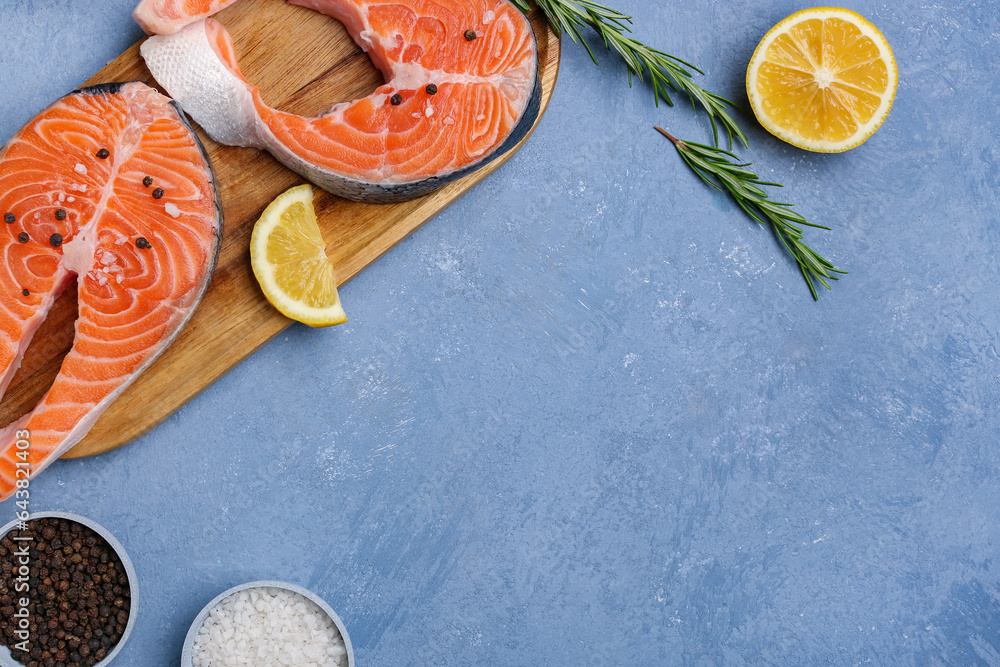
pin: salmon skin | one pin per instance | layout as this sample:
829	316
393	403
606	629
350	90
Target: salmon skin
462	88
110	187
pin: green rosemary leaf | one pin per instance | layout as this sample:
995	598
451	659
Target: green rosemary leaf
713	166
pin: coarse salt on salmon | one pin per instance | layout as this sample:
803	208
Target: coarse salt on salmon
140	271
462	88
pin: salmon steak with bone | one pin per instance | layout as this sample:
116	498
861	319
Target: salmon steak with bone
111	188
462	88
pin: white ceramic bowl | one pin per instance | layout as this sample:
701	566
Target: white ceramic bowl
5	658
187	654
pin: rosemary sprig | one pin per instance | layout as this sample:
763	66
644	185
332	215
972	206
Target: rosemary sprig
720	168
714	167
666	72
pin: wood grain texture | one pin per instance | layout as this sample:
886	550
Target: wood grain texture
304	63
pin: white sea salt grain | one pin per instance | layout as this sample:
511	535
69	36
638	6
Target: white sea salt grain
172	209
268	626
80	169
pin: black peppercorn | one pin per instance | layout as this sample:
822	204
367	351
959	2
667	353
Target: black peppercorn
23	237
147	181
103	154
25	292
396	100
431	89
142	244
157	193
470	35
60	214
9	218
56	240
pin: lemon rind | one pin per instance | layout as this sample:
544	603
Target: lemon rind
866	130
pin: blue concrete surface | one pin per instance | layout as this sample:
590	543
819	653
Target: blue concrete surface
590	414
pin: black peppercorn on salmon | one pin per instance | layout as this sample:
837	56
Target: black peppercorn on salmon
76	206
462	87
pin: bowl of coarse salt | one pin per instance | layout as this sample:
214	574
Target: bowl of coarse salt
267	623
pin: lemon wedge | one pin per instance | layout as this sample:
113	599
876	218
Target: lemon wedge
823	79
289	258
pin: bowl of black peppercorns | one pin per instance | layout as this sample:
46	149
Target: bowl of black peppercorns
67	592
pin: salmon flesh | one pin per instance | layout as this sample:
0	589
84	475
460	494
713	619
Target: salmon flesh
110	187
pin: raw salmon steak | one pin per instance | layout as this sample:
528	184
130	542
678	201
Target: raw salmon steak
109	187
165	17
462	88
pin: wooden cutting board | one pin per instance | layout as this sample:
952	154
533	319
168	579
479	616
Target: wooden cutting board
304	63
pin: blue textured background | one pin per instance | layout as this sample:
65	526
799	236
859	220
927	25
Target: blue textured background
590	414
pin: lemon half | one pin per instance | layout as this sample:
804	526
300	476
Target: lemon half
823	79
289	258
